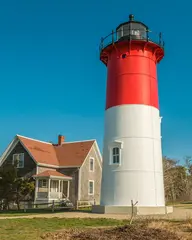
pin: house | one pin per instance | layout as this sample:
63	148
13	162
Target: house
64	170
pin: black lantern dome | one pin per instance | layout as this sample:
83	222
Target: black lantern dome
131	30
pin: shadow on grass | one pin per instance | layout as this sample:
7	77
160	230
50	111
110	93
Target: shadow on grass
82	210
31	211
42	211
186	203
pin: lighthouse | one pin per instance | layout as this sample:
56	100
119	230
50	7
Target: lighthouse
132	175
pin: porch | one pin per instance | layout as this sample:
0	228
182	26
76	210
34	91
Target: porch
51	185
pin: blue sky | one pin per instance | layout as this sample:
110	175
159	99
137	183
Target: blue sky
51	78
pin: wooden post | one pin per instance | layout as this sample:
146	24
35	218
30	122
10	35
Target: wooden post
132	211
53	206
24	208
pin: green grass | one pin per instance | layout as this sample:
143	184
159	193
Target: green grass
38	211
22	213
30	212
32	229
184	205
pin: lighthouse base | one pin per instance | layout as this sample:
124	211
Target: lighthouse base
128	210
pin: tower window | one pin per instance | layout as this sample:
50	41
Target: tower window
115	149
115	155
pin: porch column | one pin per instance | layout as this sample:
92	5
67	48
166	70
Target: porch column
49	187
36	188
62	189
59	189
68	186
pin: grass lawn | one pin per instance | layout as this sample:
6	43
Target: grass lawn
32	229
22	213
31	212
37	211
184	205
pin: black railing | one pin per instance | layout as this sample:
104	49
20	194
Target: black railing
119	35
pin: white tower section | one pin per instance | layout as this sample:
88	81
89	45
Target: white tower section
132	166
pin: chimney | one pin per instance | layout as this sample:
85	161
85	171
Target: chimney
61	139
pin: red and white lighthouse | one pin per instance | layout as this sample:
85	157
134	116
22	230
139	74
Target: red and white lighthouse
132	154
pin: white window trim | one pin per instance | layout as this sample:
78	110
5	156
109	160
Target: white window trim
113	155
41	181
115	144
93	159
23	159
91	194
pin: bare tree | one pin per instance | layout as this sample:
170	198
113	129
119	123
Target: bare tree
175	179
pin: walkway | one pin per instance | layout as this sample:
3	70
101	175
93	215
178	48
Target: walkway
179	213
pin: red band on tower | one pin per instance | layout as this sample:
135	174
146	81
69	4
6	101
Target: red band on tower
132	77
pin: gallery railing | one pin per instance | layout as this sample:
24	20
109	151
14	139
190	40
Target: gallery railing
133	34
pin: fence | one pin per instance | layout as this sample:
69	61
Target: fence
85	204
29	206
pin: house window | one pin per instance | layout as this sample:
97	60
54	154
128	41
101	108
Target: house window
91	188
43	183
115	155
19	158
91	164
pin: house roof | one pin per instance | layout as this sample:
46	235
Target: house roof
68	154
42	152
51	173
73	154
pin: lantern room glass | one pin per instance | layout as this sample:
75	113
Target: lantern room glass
132	30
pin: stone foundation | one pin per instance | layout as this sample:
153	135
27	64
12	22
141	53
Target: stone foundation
128	210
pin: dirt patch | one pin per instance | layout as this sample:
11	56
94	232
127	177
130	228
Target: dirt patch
127	232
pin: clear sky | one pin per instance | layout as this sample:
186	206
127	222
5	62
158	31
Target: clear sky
51	78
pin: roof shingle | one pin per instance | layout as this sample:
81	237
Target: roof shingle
73	154
69	154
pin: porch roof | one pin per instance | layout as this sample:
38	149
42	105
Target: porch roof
52	174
